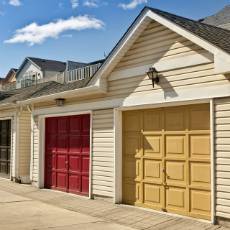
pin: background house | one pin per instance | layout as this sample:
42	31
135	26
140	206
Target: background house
37	70
9	82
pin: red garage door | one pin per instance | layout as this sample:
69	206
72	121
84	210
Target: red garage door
67	154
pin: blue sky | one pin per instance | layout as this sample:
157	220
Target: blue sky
80	30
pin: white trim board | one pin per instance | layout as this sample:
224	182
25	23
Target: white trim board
150	98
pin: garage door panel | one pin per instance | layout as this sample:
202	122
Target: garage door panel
63	126
176	199
174	119
153	195
129	193
153	146
133	121
51	143
74	163
75	125
200	203
74	183
61	162
153	171
199	118
85	144
200	146
85	164
85	184
61	181
200	174
176	173
153	120
75	144
132	145
166	159
175	146
130	170
62	143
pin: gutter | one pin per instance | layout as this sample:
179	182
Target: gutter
65	94
8	105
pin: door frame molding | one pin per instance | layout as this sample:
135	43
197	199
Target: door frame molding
119	145
41	164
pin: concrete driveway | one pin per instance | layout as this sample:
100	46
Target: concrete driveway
24	207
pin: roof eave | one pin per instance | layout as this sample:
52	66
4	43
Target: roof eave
65	94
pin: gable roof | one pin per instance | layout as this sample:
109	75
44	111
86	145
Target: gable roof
210	37
10	75
217	36
220	18
49	65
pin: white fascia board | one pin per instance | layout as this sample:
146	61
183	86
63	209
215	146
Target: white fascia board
8	106
66	94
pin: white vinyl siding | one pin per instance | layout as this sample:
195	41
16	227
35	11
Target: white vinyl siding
24	144
103	153
35	149
222	148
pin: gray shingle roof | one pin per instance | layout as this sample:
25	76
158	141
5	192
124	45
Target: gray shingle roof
49	65
215	35
58	88
24	93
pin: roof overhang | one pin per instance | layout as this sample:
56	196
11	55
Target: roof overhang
90	90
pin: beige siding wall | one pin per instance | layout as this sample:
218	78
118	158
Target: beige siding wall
24	144
222	147
35	149
156	45
103	153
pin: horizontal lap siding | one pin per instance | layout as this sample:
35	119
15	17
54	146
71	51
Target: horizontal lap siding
24	143
222	147
157	44
35	159
103	153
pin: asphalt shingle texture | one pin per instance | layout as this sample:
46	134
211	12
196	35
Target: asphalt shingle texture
215	35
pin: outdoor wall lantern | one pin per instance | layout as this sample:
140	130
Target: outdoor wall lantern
153	75
60	101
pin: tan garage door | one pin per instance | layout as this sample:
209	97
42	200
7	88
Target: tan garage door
166	159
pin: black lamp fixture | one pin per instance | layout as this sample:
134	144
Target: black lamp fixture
153	75
60	101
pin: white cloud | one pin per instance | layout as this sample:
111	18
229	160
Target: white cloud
132	5
37	34
15	2
74	3
91	3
